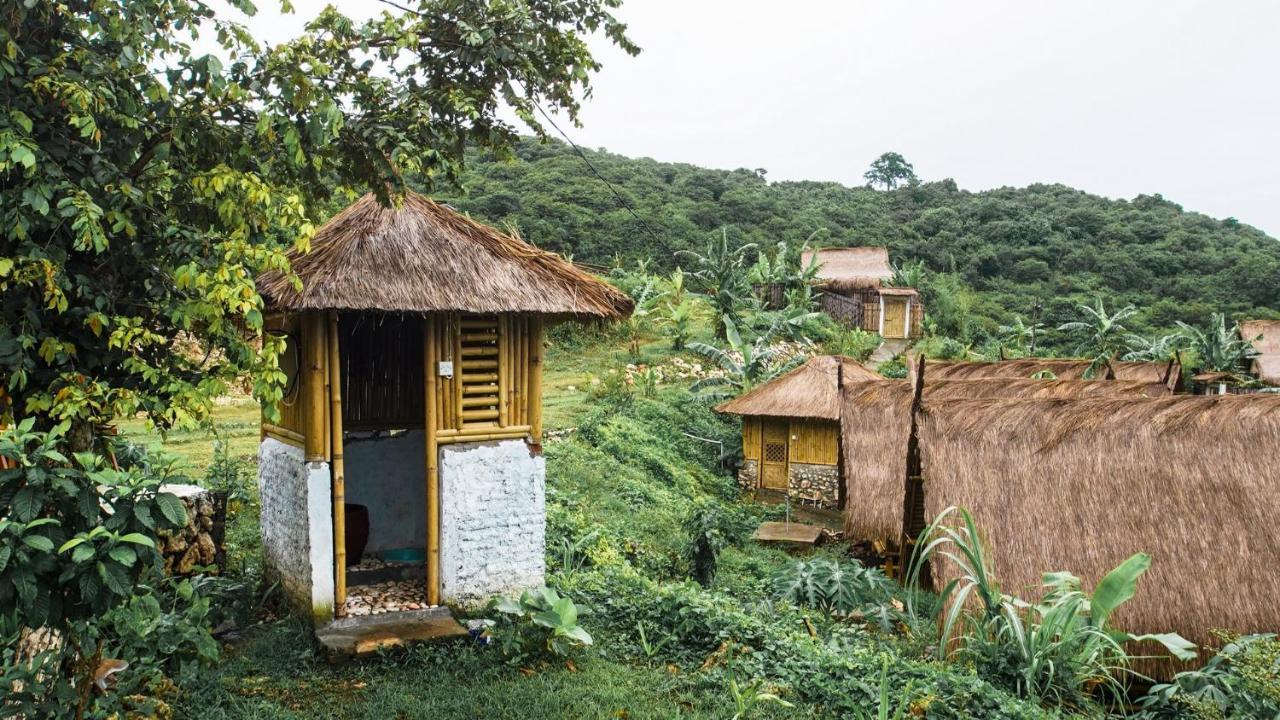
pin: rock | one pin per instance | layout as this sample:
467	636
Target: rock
208	552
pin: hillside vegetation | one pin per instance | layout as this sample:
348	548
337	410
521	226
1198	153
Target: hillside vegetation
1000	251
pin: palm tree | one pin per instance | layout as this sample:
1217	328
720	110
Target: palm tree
1160	349
1103	333
1217	347
745	365
721	276
1023	336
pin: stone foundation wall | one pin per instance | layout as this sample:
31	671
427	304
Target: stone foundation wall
492	520
815	484
200	543
297	527
749	475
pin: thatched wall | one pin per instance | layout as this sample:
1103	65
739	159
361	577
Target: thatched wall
1265	336
1080	485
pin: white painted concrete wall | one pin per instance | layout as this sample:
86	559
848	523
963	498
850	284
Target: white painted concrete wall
492	520
297	527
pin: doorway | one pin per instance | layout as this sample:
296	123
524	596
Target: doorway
773	454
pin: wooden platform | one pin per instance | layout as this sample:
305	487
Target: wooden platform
358	636
781	532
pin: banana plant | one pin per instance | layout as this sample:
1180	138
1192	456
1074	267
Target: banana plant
744	365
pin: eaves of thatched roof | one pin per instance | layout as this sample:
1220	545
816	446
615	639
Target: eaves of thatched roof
849	269
808	392
421	256
1060	368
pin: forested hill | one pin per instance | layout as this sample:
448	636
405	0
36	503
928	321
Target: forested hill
1006	247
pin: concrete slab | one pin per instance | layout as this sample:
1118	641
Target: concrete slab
358	636
781	532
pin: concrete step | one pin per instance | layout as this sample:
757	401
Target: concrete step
365	635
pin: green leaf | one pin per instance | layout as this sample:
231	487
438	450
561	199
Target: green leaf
1118	587
138	539
172	509
26	504
38	542
1178	646
123	554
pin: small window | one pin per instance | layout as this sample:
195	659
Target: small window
775	452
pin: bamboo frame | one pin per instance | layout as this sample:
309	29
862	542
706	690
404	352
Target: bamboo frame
430	381
314	381
504	371
338	470
284	435
535	380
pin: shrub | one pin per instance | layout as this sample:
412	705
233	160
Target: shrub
894	369
833	587
856	343
538	626
938	347
1241	681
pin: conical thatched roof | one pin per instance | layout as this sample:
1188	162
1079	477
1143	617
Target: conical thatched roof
1062	369
810	391
1080	485
426	257
877	424
1267	365
849	269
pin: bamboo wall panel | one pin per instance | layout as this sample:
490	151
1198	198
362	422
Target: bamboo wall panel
815	442
382	371
290	406
751	438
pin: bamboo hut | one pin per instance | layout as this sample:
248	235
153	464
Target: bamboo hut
412	420
1265	336
853	284
1168	373
1081	484
791	431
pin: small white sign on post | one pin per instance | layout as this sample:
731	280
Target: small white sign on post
446	368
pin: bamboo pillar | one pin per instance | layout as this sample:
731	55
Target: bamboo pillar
431	380
504	371
339	475
313	383
535	379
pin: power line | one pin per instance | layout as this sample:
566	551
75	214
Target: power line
587	161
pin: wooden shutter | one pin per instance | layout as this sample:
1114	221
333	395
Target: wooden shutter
478	353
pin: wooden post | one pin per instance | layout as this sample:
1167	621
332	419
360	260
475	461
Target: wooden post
535	379
314	381
339	473
431	381
504	371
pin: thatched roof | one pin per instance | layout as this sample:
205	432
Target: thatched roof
426	257
848	269
1080	485
1062	369
877	424
810	391
1267	365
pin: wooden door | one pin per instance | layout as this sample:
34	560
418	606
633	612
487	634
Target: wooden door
773	455
895	317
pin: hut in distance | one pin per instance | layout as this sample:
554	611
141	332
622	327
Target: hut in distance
412	419
791	431
853	284
1265	337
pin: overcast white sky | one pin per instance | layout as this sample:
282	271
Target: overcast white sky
1177	97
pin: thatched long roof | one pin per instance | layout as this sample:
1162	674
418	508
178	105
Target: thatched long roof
1267	365
848	269
810	391
877	424
1080	485
425	257
1062	369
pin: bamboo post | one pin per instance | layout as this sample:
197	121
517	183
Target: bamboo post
504	372
431	381
338	467
314	381
535	379
456	339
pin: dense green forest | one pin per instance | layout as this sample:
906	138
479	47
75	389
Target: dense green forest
1038	251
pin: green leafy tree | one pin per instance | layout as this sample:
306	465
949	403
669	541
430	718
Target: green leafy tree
720	276
1102	334
889	171
1021	335
146	185
1219	347
743	365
